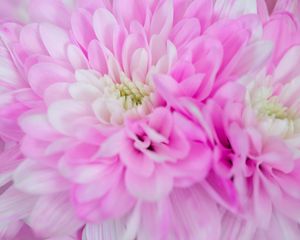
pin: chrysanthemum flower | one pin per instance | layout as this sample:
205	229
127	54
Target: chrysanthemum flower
107	135
256	170
101	118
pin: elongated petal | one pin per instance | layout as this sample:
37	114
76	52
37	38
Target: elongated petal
32	178
53	216
152	188
54	39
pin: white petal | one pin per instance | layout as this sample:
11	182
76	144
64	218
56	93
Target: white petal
33	178
110	230
54	216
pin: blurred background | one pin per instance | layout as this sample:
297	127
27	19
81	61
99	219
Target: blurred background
17	9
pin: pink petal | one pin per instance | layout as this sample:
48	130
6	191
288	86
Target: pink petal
80	173
289	182
35	120
231	90
158	48
104	23
131	44
56	92
277	155
115	204
91	5
222	190
211	50
162	19
15	205
135	160
262	204
12	158
287	68
203	10
151	188
289	206
84	92
177	147
55	40
30	39
81	22
33	148
33	178
239	140
63	113
159	115
109	230
111	146
282	30
186	205
46	217
104	181
139	65
49	11
97	57
167	87
232	37
76	57
191	129
189	86
250	59
184	31
119	36
282	227
130	10
42	75
195	166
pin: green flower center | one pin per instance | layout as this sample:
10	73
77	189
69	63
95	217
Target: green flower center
272	108
133	93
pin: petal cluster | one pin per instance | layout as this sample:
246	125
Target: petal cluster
153	119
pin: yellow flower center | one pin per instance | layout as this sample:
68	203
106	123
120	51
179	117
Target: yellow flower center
132	93
273	108
274	117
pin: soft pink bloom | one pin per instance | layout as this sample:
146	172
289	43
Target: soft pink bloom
101	99
104	103
256	168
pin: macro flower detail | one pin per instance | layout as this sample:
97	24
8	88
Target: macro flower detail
158	156
275	111
95	89
113	100
149	120
259	139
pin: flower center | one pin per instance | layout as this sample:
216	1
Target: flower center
132	94
274	109
274	118
118	99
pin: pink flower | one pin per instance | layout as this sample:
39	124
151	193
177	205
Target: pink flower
159	156
104	103
103	85
256	167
